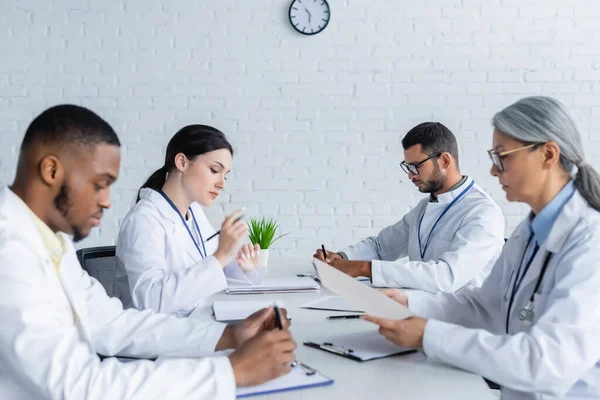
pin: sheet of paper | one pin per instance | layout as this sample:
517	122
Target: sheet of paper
296	379
332	303
359	295
239	310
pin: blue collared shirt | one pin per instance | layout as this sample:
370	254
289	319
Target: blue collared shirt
543	222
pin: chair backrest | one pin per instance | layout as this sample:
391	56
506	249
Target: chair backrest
101	263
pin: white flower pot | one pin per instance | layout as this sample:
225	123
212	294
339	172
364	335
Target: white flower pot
264	258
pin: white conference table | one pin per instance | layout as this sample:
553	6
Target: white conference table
410	376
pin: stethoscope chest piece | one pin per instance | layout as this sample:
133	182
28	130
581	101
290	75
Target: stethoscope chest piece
526	314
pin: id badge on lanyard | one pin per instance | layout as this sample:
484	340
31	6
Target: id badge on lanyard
423	250
203	255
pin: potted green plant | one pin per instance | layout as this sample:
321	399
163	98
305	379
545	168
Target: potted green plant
262	232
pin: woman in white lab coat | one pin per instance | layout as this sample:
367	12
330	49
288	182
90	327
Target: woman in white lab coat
534	326
165	260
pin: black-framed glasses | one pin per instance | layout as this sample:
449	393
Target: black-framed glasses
413	168
498	157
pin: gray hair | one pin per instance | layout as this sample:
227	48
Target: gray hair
541	119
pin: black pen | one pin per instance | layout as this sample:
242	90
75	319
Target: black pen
278	323
313	277
324	253
219	231
344	316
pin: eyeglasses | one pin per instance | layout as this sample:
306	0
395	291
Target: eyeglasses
413	168
498	157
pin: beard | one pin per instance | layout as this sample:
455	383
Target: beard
436	182
63	204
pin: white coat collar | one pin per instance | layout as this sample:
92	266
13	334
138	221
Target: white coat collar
165	209
16	210
568	218
161	204
446	198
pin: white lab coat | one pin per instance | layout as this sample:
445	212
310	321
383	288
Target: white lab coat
158	264
44	354
558	356
463	247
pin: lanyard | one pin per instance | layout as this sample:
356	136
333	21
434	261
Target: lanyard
186	225
422	251
517	282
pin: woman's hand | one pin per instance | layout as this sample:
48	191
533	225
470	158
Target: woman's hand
248	257
233	233
397	295
406	333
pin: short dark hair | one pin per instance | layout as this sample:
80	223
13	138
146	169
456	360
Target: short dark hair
434	137
69	124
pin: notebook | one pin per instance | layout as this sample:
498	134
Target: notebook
226	311
275	285
359	346
330	303
299	378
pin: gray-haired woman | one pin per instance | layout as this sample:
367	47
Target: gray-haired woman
534	326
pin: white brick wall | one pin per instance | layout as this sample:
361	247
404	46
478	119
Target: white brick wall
316	121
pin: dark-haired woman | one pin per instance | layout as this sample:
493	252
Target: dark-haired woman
164	262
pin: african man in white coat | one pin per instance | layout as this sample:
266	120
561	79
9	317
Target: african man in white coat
55	320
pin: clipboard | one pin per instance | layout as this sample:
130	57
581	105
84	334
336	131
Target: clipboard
301	377
360	346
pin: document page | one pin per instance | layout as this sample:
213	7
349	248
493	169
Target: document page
359	295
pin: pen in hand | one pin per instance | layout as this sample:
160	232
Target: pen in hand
278	321
324	253
219	231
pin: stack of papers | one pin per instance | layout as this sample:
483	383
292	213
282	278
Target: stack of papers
275	285
227	311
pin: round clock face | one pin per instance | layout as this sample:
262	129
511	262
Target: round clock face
309	16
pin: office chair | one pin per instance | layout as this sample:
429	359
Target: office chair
101	263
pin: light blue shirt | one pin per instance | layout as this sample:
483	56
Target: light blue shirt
543	222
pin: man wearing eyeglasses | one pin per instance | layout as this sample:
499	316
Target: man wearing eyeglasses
450	239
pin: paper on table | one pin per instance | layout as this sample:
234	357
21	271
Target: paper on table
240	310
331	303
275	285
358	294
296	379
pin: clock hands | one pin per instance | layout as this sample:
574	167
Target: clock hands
309	14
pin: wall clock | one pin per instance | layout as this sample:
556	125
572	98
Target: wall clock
309	17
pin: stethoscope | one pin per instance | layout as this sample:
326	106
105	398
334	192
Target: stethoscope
203	255
422	251
526	313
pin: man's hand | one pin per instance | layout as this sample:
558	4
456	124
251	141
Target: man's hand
330	256
397	295
406	333
235	336
264	357
353	268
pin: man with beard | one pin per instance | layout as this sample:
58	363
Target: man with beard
449	240
59	329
